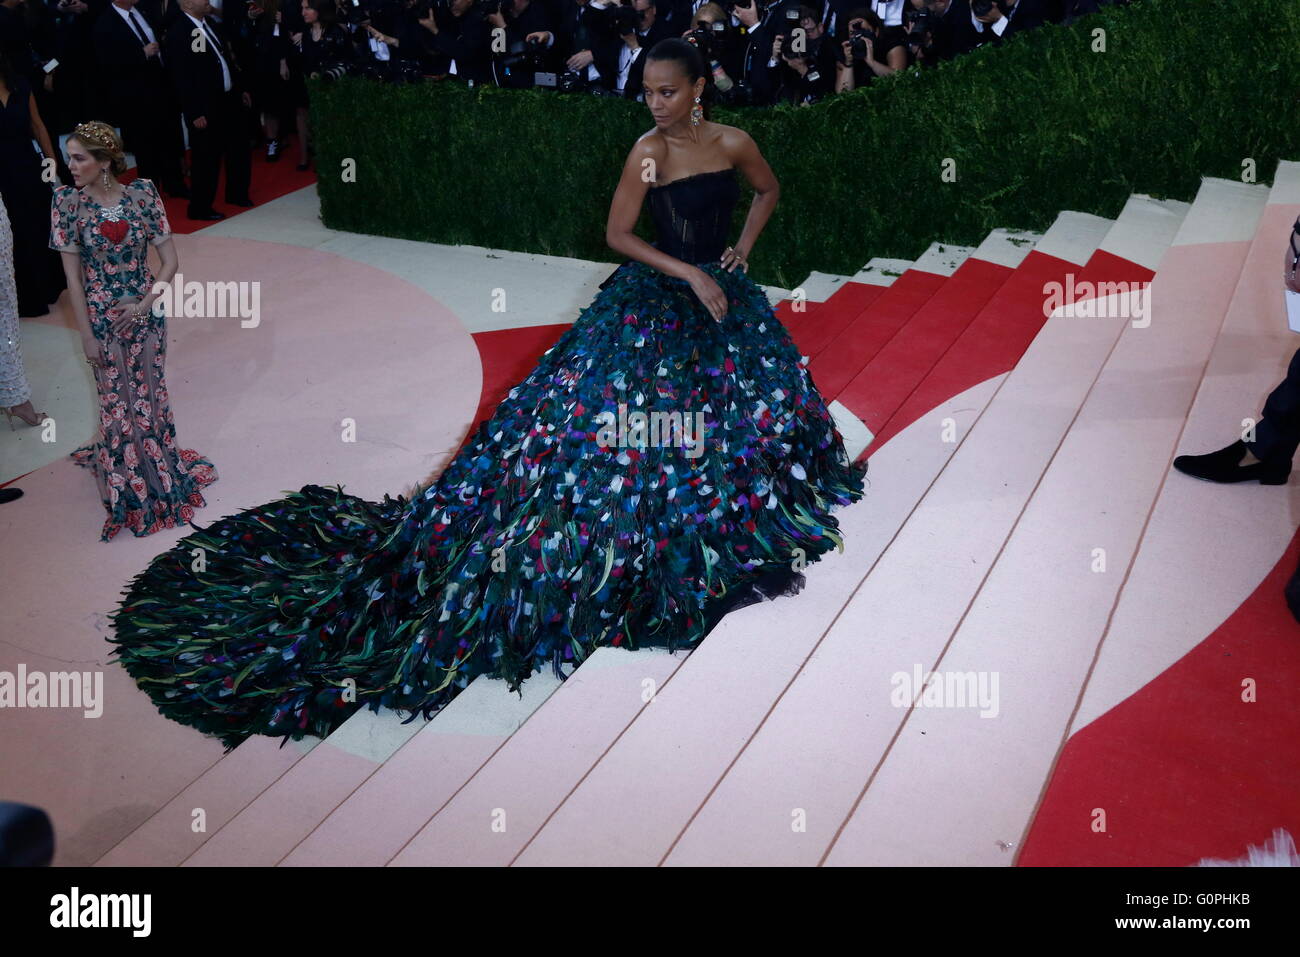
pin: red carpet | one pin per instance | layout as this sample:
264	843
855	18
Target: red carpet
269	181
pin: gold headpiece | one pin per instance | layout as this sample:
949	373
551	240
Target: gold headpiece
96	135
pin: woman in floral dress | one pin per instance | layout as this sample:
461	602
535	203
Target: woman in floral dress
104	229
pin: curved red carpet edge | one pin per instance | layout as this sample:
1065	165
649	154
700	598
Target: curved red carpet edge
1185	769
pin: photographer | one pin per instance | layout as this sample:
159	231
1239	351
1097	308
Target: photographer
890	12
809	60
611	29
460	35
400	26
997	20
649	31
719	45
953	28
527	24
919	29
755	84
573	43
857	61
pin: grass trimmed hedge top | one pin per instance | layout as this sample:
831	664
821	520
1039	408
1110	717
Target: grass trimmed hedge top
1146	98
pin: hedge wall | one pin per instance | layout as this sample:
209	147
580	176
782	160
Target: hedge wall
1184	88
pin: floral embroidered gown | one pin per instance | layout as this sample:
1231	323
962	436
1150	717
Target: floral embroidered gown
146	481
555	529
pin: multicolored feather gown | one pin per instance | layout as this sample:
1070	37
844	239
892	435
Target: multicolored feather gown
567	522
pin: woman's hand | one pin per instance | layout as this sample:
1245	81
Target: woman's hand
122	315
709	292
90	346
734	257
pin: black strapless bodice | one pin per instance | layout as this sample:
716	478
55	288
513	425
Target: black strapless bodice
692	215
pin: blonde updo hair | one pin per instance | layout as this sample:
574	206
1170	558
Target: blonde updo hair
102	142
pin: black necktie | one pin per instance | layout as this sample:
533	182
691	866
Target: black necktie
139	29
134	20
230	63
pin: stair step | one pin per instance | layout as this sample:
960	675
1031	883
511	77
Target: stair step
662	767
839	705
999	334
1146	661
491	818
208	803
821	326
282	814
400	797
876	393
835	366
882	271
943	259
956	788
1007	247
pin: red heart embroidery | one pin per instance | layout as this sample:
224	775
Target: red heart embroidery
113	229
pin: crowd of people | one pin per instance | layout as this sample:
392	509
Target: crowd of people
225	77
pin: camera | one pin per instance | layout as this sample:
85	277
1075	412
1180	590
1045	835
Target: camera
918	23
709	40
573	81
788	22
858	42
523	66
355	13
612	21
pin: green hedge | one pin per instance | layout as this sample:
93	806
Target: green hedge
1186	88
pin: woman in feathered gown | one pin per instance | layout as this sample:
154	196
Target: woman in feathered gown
566	523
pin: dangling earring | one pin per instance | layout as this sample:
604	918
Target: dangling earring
697	113
104	173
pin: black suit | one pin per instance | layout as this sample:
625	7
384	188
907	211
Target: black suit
160	12
1277	433
466	39
138	97
954	33
198	80
636	72
1026	15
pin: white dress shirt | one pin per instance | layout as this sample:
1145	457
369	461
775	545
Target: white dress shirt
215	43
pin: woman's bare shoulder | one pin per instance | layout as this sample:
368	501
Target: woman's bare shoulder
652	145
735	142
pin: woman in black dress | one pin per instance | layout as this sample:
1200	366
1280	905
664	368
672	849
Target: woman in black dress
37	269
322	48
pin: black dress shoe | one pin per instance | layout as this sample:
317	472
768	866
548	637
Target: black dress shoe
9	494
209	214
245	202
1225	466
